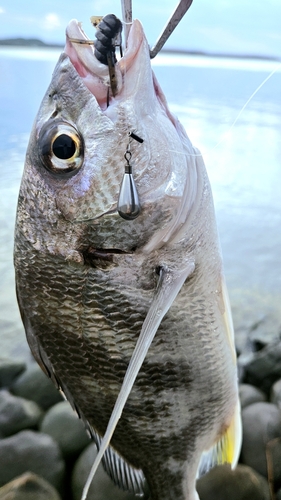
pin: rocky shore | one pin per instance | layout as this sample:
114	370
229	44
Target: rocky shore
46	454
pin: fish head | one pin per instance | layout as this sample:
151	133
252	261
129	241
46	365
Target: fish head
75	158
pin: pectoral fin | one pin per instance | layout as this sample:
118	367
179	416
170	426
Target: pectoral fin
168	287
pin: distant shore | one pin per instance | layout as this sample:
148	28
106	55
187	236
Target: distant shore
36	43
28	42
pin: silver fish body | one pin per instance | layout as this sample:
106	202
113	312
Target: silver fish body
86	278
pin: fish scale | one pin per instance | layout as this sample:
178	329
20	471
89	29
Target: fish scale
56	328
93	287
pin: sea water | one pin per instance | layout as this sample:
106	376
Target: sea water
243	161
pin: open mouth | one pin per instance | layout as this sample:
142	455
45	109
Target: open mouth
96	74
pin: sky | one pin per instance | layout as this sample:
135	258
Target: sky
243	27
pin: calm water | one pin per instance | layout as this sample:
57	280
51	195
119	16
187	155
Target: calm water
243	161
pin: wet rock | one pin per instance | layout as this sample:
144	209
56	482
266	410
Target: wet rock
263	368
275	393
223	483
248	394
264	331
28	487
66	429
261	423
102	488
31	451
258	322
33	384
17	414
9	371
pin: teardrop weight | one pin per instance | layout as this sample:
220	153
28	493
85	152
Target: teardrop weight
128	205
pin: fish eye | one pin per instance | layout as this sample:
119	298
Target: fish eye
64	147
61	148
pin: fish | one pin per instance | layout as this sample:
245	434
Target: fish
127	310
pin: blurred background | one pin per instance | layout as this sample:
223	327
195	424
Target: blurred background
220	54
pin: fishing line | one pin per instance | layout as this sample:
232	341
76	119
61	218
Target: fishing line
125	69
225	134
246	104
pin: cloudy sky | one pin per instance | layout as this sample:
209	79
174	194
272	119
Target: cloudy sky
225	26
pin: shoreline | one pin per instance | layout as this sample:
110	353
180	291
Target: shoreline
39	44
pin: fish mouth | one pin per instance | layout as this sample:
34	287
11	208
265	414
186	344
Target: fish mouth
94	73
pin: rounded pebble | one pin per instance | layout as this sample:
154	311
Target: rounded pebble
33	384
248	394
66	429
102	488
28	487
223	483
264	367
261	423
31	451
17	414
275	393
9	371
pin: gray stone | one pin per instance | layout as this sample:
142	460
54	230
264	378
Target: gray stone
264	331
33	384
243	483
261	423
9	371
102	488
264	367
275	393
31	451
66	429
248	394
17	414
258	321
28	487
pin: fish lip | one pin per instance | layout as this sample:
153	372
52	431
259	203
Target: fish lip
74	31
93	72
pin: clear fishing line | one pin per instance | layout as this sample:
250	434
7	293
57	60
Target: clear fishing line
125	71
225	134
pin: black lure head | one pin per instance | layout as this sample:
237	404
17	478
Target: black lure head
107	31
